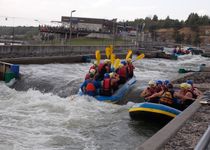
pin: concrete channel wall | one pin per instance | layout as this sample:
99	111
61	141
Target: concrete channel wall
17	51
55	59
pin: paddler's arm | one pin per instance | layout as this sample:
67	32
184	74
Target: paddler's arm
159	94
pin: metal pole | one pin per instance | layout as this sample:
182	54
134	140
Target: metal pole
204	141
71	26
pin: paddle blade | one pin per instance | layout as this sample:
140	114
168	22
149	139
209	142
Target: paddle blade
108	52
112	59
116	64
111	49
140	57
128	54
98	56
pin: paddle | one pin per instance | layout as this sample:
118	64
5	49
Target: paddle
111	49
112	59
116	64
128	54
98	56
108	52
141	56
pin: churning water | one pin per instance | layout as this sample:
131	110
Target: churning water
43	112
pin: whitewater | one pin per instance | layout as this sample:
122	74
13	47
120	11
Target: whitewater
42	111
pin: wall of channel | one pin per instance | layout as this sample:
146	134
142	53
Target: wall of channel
17	51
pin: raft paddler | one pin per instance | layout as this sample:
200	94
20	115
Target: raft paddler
150	90
103	68
185	95
91	71
94	66
130	67
114	80
90	86
195	91
106	86
122	71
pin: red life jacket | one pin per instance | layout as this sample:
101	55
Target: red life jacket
122	72
90	87
100	66
107	84
130	68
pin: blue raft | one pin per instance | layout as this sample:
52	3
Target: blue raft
153	112
118	95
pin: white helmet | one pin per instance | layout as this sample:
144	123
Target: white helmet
151	82
92	71
106	61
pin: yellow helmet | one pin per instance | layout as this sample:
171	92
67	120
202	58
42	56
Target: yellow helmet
185	86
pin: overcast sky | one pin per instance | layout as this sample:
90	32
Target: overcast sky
19	12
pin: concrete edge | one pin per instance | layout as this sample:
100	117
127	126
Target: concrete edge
158	140
54	59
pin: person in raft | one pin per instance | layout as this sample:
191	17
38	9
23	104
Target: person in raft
185	95
90	86
148	91
103	68
130	68
195	91
106	86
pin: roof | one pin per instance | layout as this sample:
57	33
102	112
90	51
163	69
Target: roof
86	20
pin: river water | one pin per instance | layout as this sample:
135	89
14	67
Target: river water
43	112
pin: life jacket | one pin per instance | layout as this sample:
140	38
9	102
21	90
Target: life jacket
100	66
107	84
130	69
90	87
122	71
167	97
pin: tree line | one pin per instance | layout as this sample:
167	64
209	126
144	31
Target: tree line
153	23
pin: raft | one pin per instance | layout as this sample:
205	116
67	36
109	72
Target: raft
118	95
153	112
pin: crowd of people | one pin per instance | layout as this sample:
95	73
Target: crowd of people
163	92
104	79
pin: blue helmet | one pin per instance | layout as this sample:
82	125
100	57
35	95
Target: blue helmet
123	62
106	75
159	82
189	82
166	82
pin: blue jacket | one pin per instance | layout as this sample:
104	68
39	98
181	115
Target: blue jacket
90	93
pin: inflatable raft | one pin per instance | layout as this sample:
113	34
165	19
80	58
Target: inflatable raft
118	95
153	112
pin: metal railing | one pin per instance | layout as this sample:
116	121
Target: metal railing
204	142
